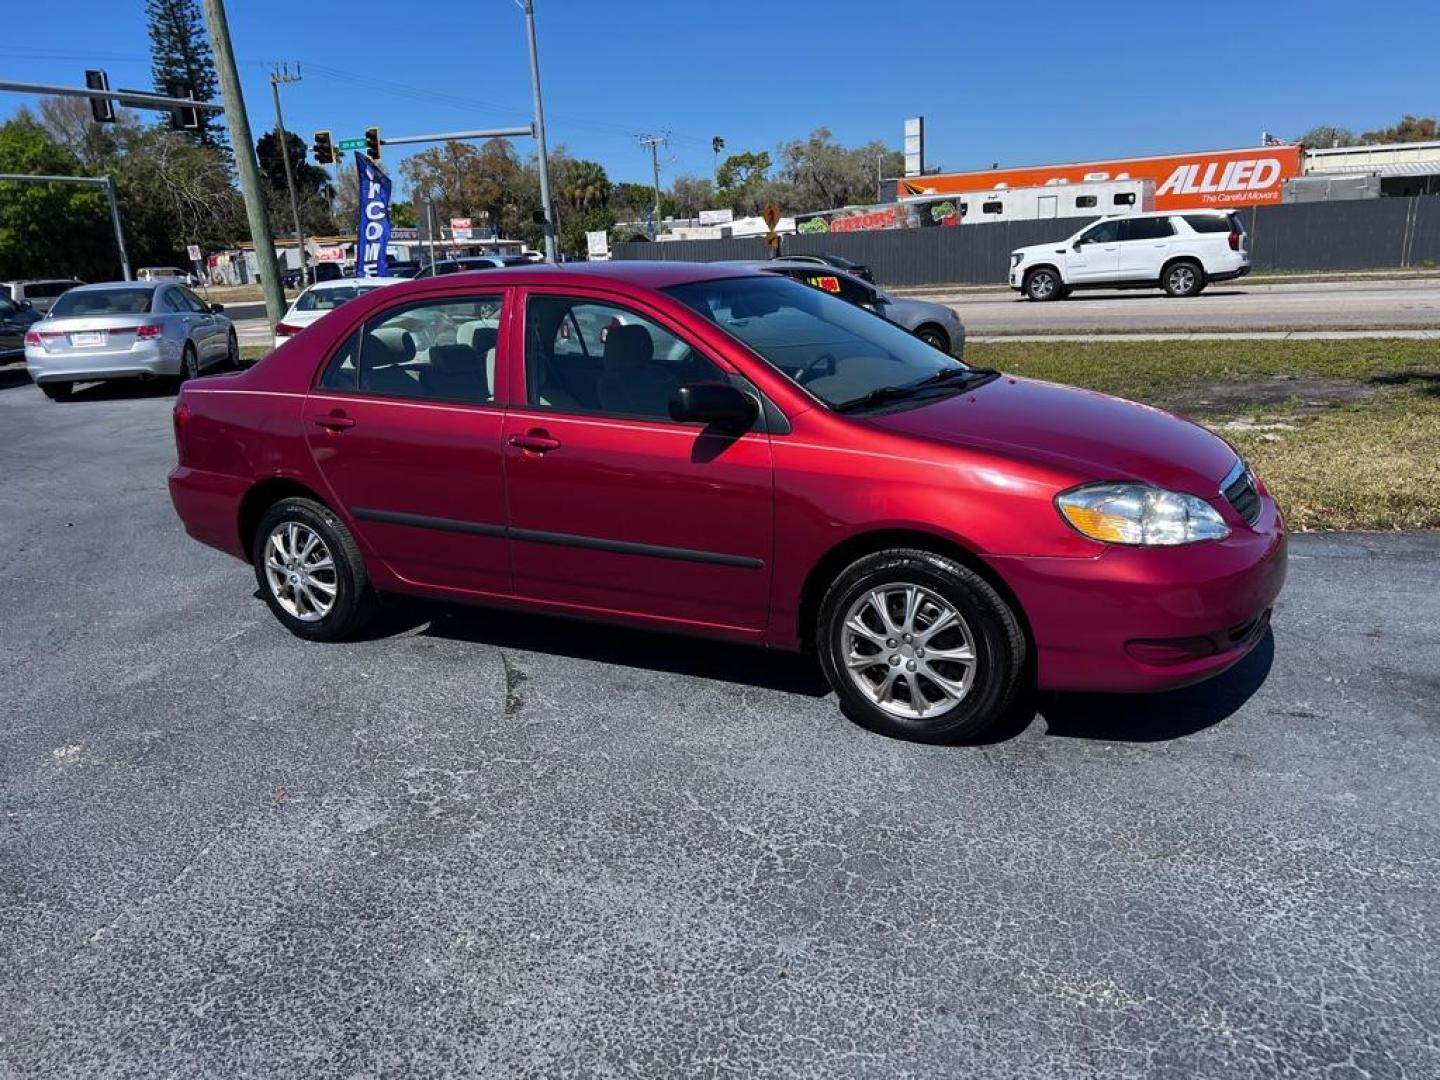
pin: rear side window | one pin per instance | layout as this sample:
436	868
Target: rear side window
433	350
1146	228
995	206
46	289
1085	202
1208	223
343	371
1125	198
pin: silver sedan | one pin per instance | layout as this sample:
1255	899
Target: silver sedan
126	330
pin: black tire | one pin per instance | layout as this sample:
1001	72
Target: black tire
354	603
1043	283
936	339
995	638
57	391
232	353
1183	278
189	363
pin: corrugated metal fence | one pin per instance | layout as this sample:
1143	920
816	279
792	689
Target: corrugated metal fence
1368	234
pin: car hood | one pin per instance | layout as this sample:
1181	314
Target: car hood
908	312
1095	436
1057	247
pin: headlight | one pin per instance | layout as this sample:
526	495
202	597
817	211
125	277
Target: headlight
1140	514
1015	257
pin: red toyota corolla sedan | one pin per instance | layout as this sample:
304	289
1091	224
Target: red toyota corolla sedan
734	455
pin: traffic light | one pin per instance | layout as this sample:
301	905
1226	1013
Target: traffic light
102	109
372	143
186	117
324	148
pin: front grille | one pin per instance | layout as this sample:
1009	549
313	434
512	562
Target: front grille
1239	491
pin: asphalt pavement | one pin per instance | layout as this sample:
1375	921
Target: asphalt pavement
1232	306
476	844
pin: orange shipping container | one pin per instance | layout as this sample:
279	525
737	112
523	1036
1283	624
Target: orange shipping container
1213	178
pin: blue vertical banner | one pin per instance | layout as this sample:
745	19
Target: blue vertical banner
373	232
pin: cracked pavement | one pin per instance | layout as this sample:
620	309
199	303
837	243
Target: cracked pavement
478	844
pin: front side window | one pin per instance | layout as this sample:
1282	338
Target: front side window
584	355
835	350
1085	202
427	350
1107	232
1125	198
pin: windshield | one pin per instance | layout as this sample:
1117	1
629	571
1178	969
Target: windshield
835	350
329	299
102	302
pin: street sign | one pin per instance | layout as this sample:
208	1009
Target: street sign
352	144
193	251
771	214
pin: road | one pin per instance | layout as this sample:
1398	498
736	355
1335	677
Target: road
1231	306
483	845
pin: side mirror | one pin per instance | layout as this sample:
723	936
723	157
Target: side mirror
216	309
26	305
713	404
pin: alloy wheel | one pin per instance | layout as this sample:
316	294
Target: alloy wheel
908	650
1182	280
1042	285
300	571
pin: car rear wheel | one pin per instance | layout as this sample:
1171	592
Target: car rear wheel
57	391
189	363
1043	284
310	571
918	646
232	353
936	339
1184	278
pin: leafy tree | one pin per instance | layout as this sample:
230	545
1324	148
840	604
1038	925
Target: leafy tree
825	175
180	49
1326	136
49	229
312	186
740	173
689	195
71	124
1409	129
586	186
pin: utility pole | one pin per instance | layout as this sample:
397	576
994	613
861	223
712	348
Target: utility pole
276	78
249	170
654	142
547	206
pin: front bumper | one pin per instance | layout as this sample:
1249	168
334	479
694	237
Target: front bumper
156	359
1146	619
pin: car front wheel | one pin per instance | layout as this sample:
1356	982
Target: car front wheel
936	339
1043	284
919	646
310	571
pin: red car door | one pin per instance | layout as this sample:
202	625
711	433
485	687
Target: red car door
614	507
406	427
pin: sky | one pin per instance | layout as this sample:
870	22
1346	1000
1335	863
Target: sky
1015	84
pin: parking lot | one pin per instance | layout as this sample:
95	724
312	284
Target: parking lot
486	844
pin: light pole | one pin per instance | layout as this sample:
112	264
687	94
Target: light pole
239	123
546	204
276	78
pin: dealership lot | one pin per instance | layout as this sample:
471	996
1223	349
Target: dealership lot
482	844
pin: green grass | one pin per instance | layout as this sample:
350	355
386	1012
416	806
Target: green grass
1345	433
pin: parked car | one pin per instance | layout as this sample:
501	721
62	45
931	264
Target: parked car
1178	251
934	324
15	319
40	293
402	268
472	262
854	269
733	455
127	329
322	298
165	273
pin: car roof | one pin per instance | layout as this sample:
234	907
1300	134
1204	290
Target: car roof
38	281
97	285
1170	213
648	274
351	282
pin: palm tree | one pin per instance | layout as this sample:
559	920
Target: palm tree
587	186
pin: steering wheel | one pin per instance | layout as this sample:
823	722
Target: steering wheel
803	376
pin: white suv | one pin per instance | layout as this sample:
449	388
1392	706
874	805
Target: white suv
1178	251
